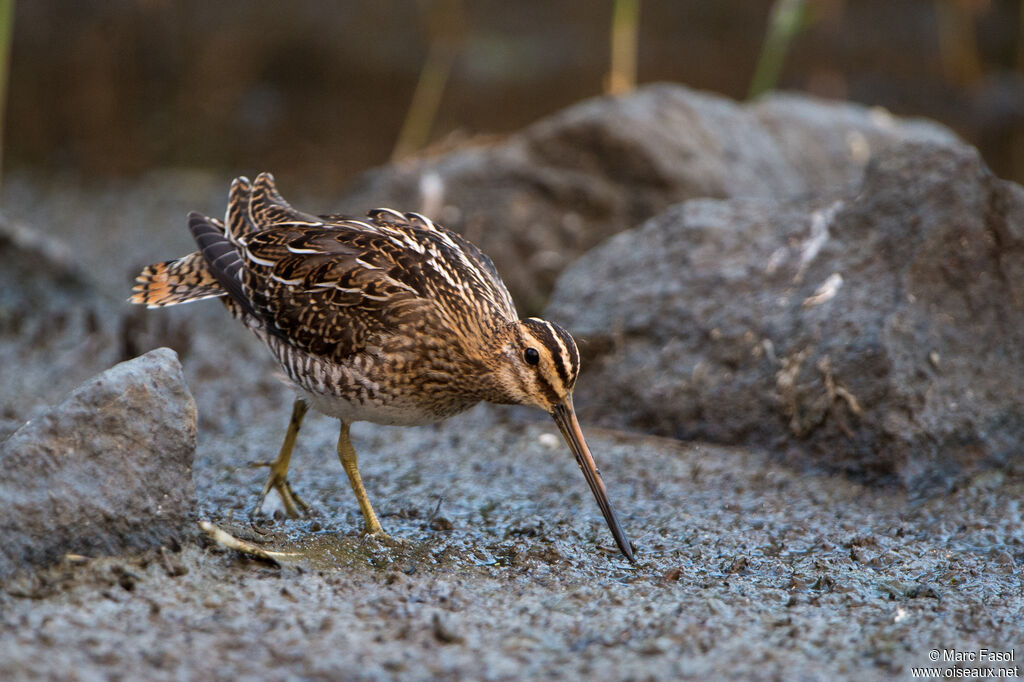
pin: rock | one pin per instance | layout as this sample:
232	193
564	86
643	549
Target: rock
108	469
879	334
54	325
64	315
538	199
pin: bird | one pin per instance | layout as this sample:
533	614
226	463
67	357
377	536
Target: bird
390	318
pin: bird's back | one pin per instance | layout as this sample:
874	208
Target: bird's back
392	286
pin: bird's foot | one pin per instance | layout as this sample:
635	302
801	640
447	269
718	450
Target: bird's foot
372	530
382	539
376	533
278	482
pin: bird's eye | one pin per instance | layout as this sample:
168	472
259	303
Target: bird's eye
531	356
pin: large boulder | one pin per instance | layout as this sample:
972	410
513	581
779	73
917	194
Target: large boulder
108	469
880	334
539	198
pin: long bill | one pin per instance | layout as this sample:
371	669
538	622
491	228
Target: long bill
565	416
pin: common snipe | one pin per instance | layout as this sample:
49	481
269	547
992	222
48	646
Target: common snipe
391	319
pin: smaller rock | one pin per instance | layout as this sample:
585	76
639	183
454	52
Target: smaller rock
109	469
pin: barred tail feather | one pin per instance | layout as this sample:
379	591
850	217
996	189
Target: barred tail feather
176	281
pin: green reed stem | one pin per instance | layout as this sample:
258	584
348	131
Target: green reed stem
785	21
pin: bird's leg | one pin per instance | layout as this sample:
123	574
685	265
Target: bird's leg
278	479
347	455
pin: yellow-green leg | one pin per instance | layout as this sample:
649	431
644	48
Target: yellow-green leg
347	455
278	479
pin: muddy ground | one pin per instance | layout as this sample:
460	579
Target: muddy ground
502	566
505	569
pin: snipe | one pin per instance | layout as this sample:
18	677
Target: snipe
390	318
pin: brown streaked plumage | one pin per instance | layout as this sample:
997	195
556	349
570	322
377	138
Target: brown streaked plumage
388	318
177	281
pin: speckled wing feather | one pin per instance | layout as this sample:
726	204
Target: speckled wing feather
459	253
335	289
334	286
236	219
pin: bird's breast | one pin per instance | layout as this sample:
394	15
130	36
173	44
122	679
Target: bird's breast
395	388
396	412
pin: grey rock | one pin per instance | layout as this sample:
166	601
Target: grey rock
829	143
108	469
539	198
66	271
879	334
54	325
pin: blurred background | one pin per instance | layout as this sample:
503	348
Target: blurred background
103	89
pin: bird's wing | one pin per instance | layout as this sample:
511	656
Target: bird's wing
332	285
328	290
455	253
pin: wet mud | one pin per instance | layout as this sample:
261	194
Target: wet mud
501	566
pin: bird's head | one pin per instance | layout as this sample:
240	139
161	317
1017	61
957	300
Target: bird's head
539	364
538	367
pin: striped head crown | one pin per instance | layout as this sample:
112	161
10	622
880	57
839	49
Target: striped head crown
542	364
